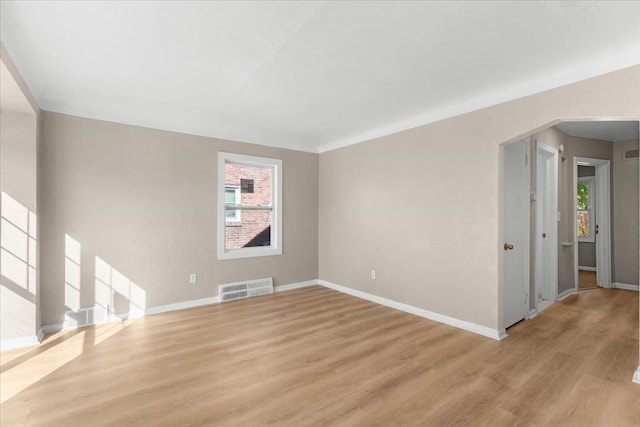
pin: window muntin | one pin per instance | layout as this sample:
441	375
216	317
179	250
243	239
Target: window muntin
250	199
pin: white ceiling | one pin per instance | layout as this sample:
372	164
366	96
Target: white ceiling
11	97
603	131
306	75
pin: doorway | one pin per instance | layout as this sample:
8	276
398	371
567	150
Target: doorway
592	222
586	220
547	217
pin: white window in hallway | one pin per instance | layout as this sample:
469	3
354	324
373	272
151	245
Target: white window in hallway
586	211
250	206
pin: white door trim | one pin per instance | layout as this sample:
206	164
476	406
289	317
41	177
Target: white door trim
546	154
603	218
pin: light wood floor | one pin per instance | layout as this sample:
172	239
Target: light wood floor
314	356
586	280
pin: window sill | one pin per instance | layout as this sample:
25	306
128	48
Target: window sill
249	252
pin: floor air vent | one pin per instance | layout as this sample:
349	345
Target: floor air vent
245	289
85	316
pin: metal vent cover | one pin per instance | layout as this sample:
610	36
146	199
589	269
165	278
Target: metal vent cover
245	289
234	295
631	154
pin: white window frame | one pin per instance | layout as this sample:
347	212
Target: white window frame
237	217
276	206
590	182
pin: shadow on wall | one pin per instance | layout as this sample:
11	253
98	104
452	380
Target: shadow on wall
18	268
115	295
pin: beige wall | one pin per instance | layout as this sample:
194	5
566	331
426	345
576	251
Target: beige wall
20	311
586	171
625	216
587	254
423	207
17	77
586	250
18	174
144	202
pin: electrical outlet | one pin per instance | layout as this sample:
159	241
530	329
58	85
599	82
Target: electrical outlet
373	275
193	278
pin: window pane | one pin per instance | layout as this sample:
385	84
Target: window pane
230	199
254	229
230	196
583	195
255	183
583	224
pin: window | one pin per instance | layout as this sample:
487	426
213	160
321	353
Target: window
250	206
232	198
246	185
585	203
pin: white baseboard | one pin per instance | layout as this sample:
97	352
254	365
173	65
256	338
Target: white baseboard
585	268
204	301
298	285
567	293
441	318
532	313
626	286
57	327
173	307
15	343
497	334
47	329
636	376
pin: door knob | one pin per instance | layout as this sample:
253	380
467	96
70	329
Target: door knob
508	247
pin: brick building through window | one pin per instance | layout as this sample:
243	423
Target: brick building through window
249	186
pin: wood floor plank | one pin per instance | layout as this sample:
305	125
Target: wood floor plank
317	357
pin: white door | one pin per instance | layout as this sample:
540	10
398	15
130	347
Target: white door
516	232
603	225
547	217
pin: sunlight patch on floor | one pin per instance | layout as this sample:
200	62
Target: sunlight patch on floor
24	374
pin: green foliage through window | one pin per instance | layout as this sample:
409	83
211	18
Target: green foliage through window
583	196
584	210
583	224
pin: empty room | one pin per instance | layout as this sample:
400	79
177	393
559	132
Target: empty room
318	213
